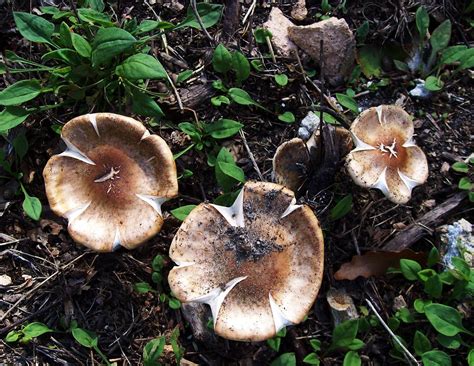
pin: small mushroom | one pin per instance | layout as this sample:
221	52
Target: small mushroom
111	181
257	264
385	156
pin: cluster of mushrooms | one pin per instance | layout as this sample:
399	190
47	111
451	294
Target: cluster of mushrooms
259	263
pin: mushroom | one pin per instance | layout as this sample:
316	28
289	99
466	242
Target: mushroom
292	159
257	264
111	181
385	156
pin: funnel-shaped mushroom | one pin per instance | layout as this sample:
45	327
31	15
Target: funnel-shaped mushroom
258	264
111	181
386	156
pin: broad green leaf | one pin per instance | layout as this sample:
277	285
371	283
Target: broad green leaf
232	170
405	315
434	286
344	333
441	36
436	358
182	212
281	79
421	343
356	344
13	336
158	262
369	58
257	65
460	167
209	14
81	45
36	329
452	54
191	130
315	344
420	304
352	359
153	351
410	269
241	97
148	25
467	59
94	17
64	54
445	319
464	183
223	128
261	35
342	208
422	21
312	359
33	27
65	36
286	359
347	102
241	66
433	257
85	338
174	303
274	343
470	357
221	59
11	117
145	105
32	206
287	117
183	76
219	100
449	342
141	66
95	4
110	42
20	144
226	179
432	83
142	287
20	92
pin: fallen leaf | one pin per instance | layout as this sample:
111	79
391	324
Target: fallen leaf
375	263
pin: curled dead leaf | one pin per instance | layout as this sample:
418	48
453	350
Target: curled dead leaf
375	263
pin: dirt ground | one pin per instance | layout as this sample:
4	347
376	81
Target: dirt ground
55	280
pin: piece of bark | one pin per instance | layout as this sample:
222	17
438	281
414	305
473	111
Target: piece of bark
231	18
195	95
427	222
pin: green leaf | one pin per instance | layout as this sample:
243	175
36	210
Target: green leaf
274	343
356	344
182	212
20	92
347	102
281	79
421	343
191	130
466	60
219	100
145	105
241	66
344	333
232	170
436	358
422	21
342	208
221	59
227	173
461	268
223	128
325	6
153	351
315	344
311	359
449	342
142	287
434	286
432	83
110	42
241	97
352	359
95	4
32	206
158	262
141	66
452	54
183	76
33	27
92	16
445	319
261	35
286	359
464	182
362	32
219	85
36	329
12	336
433	257
405	315
209	14
420	305
441	36
11	117
460	167
84	337
65	35
81	45
20	144
287	117
369	58
470	357
64	54
402	66
257	65
410	269
148	25
174	303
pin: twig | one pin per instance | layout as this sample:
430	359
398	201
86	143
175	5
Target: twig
198	17
250	11
163	35
395	338
175	91
252	158
270	47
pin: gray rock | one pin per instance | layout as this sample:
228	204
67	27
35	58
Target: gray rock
308	125
278	25
459	242
299	11
339	46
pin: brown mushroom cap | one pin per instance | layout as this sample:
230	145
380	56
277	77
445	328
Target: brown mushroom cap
385	156
111	181
258	264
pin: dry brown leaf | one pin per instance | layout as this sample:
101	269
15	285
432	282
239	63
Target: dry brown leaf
375	263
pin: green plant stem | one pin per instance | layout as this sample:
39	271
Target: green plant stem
101	355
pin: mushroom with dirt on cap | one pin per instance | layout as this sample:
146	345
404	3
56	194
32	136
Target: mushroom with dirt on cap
385	156
257	264
111	181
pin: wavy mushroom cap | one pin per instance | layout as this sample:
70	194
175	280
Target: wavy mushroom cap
386	156
258	264
111	181
291	164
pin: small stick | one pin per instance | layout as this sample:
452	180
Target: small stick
269	44
395	338
198	17
175	91
252	158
